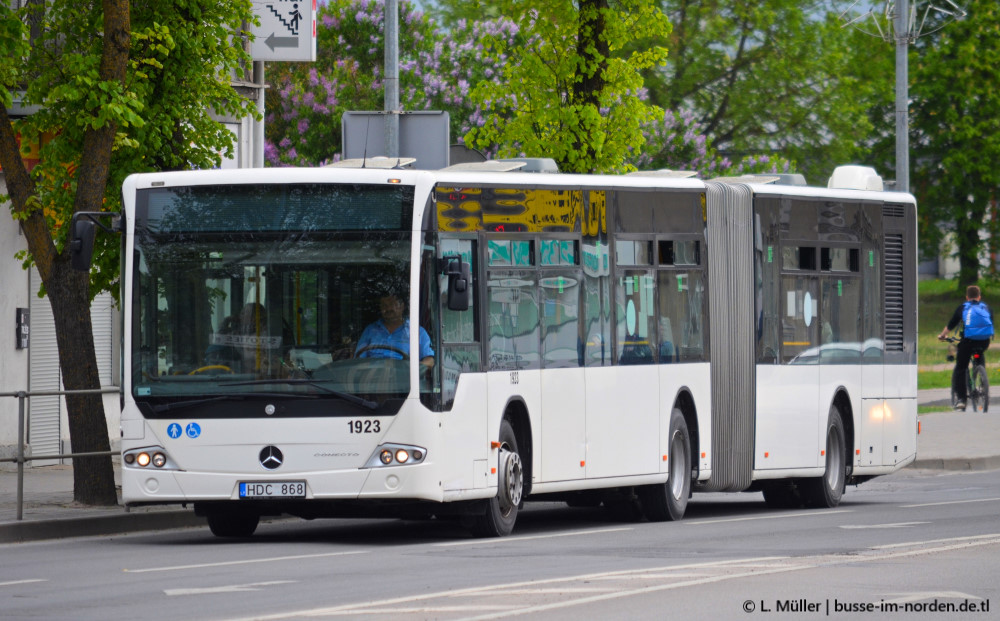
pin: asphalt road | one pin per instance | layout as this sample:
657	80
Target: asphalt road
900	545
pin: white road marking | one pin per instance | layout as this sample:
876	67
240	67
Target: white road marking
424	610
910	544
777	516
904	598
744	568
950	502
895	525
232	588
663	576
504	540
556	590
243	562
17	582
357	609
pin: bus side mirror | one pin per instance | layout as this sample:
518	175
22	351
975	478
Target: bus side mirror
81	245
459	279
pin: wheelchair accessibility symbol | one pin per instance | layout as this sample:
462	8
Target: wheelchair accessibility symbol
193	430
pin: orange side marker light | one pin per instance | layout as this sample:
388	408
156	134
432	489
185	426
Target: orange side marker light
494	445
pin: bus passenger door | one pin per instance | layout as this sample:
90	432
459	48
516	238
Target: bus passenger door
788	394
564	412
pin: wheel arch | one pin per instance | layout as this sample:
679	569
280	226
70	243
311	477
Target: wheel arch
843	403
516	413
685	403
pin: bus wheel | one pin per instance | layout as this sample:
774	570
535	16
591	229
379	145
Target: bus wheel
225	524
668	501
501	510
826	491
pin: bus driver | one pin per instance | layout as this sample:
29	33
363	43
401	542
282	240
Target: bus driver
389	337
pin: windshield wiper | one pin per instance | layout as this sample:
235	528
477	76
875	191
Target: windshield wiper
176	405
346	396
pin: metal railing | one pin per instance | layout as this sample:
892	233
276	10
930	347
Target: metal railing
20	459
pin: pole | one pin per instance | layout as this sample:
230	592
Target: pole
20	455
258	126
902	28
392	78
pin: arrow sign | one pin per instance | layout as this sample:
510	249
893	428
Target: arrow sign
272	41
286	32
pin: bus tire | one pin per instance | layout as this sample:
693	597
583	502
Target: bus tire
227	524
501	511
668	501
827	490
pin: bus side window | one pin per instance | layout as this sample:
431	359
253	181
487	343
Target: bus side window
636	317
459	350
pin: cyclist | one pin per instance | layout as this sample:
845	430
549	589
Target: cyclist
977	323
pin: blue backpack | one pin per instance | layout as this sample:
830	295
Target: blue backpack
976	317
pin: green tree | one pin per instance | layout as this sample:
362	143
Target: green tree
122	89
774	76
955	133
571	90
307	101
454	13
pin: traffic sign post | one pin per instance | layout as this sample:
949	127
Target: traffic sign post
287	30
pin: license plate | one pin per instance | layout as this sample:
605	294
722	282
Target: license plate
272	489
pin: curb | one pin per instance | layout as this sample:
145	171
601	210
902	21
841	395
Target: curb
961	464
38	530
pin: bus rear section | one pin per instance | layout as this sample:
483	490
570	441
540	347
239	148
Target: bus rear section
819	389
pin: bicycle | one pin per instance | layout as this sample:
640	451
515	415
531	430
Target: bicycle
977	382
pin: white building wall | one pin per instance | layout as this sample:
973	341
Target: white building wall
37	368
19	292
13	362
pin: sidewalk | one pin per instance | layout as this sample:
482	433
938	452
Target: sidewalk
948	441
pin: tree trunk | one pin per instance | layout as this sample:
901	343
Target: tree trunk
93	477
969	243
68	290
592	51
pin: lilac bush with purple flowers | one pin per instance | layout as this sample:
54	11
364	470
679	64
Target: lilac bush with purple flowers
677	141
436	72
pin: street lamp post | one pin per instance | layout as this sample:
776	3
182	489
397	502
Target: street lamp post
392	78
902	97
898	22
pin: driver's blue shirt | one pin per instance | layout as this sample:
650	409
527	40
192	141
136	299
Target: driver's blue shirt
377	334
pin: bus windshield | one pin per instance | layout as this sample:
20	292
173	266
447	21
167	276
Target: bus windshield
244	291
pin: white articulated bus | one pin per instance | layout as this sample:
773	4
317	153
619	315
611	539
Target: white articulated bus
592	339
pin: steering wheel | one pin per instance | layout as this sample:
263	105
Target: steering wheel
372	346
211	367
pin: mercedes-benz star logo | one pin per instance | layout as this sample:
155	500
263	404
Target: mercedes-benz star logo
271	457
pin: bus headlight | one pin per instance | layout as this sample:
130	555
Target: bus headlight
396	455
148	457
